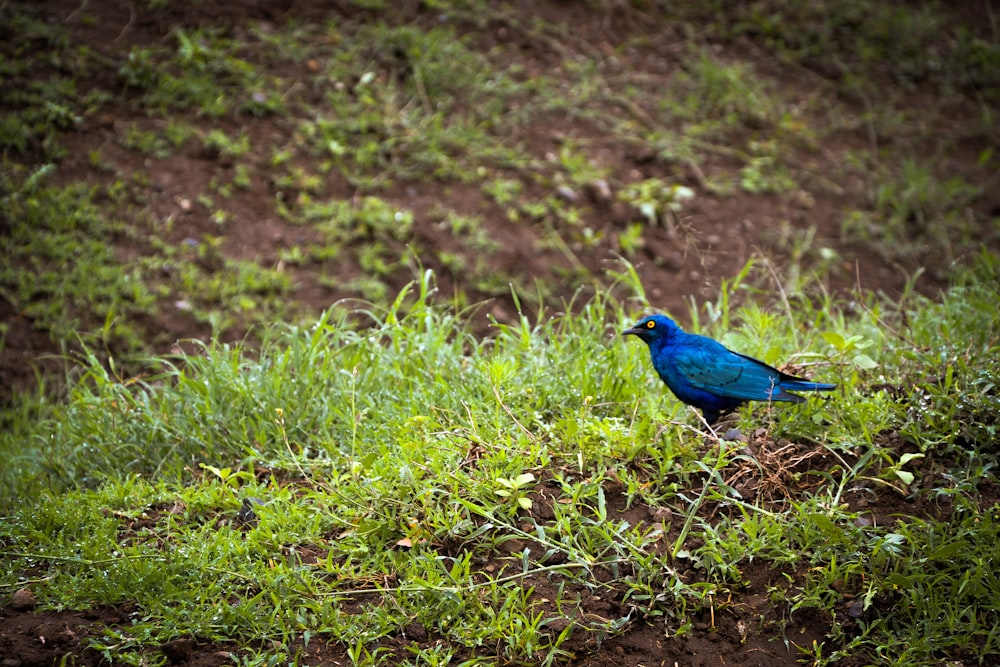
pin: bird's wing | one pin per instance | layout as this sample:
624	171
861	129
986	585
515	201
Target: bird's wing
713	368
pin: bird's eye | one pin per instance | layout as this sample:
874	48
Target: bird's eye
651	324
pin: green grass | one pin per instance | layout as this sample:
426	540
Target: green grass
61	269
489	488
864	44
388	465
64	274
918	213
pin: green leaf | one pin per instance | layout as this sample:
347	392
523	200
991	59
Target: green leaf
834	338
524	478
222	473
864	362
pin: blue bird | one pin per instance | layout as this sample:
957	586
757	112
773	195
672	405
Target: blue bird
704	373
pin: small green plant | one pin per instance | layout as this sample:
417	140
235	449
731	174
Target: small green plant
720	96
851	349
655	201
630	241
217	142
228	476
915	210
146	142
766	171
503	191
62	270
514	487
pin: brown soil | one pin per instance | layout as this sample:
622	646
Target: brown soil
717	236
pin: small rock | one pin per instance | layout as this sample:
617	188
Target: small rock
660	513
567	193
511	546
620	213
22	600
185	204
643	155
599	191
803	200
674	261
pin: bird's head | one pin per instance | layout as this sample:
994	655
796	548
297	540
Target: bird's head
652	328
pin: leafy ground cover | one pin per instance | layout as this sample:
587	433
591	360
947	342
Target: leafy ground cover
409	493
338	289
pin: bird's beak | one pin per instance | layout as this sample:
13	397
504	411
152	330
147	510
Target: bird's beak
632	331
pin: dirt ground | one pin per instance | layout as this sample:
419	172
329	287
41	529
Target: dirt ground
716	237
712	239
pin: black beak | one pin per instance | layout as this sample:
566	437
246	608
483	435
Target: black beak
632	331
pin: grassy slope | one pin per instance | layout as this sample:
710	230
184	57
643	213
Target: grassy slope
392	469
394	465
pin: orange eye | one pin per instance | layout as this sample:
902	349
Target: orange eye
651	324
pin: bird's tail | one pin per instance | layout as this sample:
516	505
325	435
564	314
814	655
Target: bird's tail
805	385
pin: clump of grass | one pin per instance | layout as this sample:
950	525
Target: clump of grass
205	73
61	268
917	210
863	43
409	104
716	96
